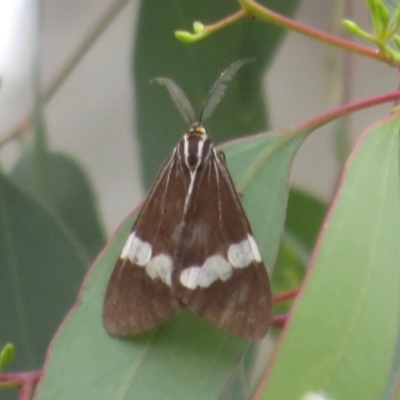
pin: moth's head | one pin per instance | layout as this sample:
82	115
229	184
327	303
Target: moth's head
198	129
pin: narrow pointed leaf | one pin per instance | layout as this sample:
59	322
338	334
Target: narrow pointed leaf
343	332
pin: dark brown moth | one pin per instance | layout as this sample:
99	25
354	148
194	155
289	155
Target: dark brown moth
191	245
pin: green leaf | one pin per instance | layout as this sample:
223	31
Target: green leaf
195	67
185	358
68	194
396	40
304	217
41	267
354	29
288	273
343	331
383	14
396	18
6	355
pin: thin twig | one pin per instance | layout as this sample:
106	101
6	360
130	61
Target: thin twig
260	12
22	380
323	119
279	321
285	296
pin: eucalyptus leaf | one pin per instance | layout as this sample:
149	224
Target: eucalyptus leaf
67	193
41	267
186	357
344	328
304	218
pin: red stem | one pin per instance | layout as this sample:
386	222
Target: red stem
24	380
25	391
253	8
281	297
347	109
279	321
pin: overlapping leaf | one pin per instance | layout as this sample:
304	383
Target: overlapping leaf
343	334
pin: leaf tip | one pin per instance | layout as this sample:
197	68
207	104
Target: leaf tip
6	355
199	32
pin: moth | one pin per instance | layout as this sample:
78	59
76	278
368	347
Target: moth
191	245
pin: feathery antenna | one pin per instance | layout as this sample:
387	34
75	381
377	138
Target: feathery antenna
213	98
179	98
218	89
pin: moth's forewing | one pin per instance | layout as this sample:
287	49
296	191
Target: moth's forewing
220	274
137	299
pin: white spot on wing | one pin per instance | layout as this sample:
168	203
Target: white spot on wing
215	267
137	250
190	277
127	246
242	254
160	266
254	249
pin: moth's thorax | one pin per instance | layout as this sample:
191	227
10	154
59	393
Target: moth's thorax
195	147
